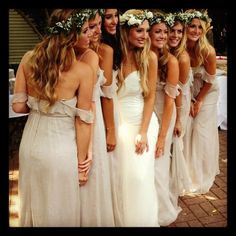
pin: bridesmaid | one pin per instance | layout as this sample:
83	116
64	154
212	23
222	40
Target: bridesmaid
167	90
204	154
111	37
56	89
96	196
180	181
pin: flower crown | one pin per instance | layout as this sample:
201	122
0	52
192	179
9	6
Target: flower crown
185	17
168	19
77	21
135	20
92	12
181	16
197	14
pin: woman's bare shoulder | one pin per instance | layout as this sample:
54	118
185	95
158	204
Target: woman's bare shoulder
105	49
153	56
82	68
90	54
172	60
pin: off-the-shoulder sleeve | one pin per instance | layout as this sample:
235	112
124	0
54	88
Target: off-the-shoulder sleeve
86	116
209	78
108	91
19	97
172	90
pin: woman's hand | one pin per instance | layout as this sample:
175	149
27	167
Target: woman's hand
85	166
160	145
141	143
177	128
195	108
110	139
83	178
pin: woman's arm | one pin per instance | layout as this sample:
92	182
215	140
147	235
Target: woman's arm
210	67
19	105
172	79
142	142
106	63
91	58
184	67
83	129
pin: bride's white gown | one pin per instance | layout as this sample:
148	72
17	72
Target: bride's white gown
136	197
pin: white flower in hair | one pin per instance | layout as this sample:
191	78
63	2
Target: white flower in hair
149	15
134	21
198	14
131	19
169	19
123	19
76	20
59	24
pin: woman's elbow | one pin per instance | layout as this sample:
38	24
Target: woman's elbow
20	108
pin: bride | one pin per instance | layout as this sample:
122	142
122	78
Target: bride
135	192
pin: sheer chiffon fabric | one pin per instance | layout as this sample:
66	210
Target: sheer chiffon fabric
48	166
180	181
96	196
203	151
113	155
168	211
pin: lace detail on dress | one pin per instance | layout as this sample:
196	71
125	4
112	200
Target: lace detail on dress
19	97
172	90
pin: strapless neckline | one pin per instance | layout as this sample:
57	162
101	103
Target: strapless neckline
130	74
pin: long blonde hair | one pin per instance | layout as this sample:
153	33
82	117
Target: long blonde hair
141	55
181	47
163	53
53	55
202	47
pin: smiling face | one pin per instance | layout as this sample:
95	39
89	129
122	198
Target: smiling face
111	20
95	28
175	35
194	30
83	40
138	35
158	35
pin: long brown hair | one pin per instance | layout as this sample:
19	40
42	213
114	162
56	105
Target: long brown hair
53	55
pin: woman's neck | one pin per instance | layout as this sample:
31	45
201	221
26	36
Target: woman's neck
156	50
191	45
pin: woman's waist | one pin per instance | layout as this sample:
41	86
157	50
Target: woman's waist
131	114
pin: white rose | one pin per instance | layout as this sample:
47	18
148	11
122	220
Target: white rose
198	14
149	15
59	24
133	21
122	19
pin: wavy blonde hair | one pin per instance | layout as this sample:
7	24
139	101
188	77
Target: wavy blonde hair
163	53
141	55
181	47
202	48
53	55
